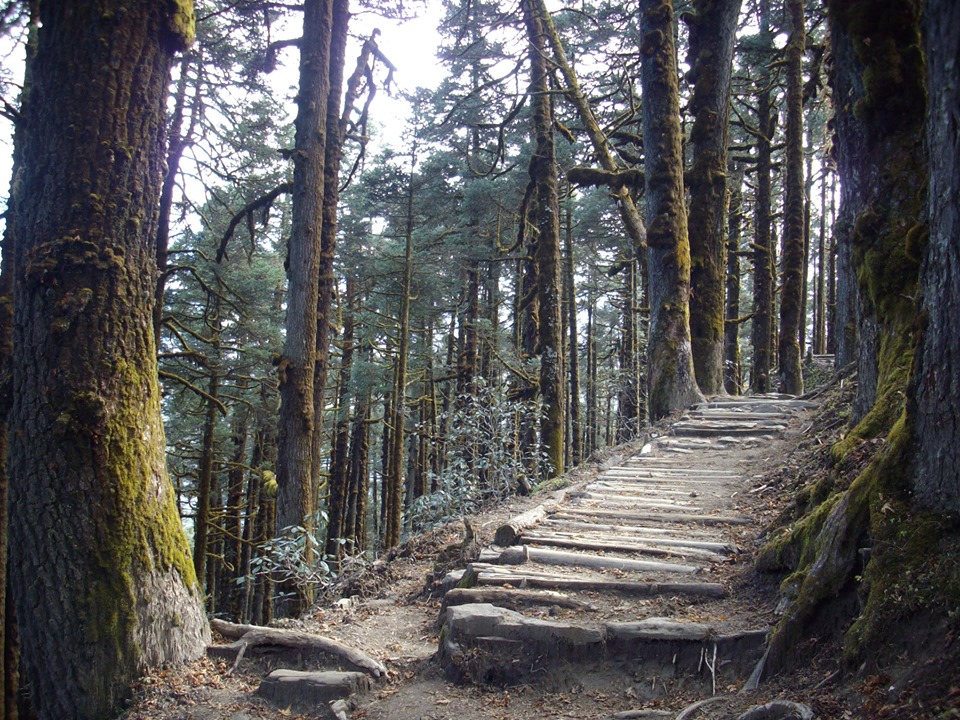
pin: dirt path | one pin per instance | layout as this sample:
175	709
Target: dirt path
621	593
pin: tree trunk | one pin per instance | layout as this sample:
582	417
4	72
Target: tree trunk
9	650
936	411
820	295
733	371
761	327
102	576
543	175
671	377
628	396
296	502
394	480
573	347
339	452
794	257
335	127
713	29
231	593
201	523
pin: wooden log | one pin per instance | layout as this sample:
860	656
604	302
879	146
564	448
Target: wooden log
638	502
545	533
508	533
266	638
584	524
654	517
519	555
628	587
307	690
580	543
513	599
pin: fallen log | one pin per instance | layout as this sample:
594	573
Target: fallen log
508	533
273	639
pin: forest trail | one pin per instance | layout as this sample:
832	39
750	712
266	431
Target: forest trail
625	592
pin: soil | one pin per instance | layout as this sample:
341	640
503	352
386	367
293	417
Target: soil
390	611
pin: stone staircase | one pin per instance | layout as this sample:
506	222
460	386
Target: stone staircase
637	556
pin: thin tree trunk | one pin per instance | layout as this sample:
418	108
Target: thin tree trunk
394	482
573	347
761	326
339	452
794	258
820	298
201	524
733	373
671	377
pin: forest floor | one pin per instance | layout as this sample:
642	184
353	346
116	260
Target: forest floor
391	612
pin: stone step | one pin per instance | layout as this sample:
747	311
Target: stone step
484	643
302	690
707	429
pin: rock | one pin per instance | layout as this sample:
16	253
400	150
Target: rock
307	690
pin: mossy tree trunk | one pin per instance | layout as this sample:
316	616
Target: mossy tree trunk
103	580
878	66
544	214
794	242
936	408
296	502
713	29
672	384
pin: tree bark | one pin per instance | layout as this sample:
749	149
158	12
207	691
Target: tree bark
713	29
335	126
103	581
733	369
761	327
671	377
936	410
296	502
544	213
794	257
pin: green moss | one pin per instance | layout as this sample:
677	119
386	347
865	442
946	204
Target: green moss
794	547
181	24
914	566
